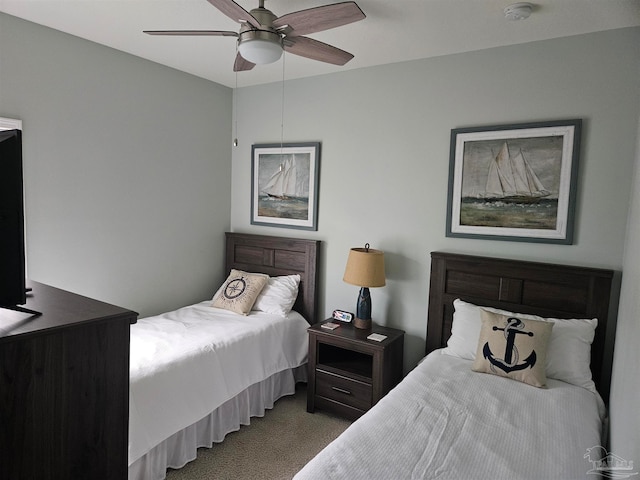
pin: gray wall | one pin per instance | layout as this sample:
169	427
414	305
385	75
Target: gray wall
625	386
127	172
385	156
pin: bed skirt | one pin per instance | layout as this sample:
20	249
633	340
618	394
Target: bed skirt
181	448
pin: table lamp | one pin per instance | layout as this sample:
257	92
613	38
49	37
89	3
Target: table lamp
365	268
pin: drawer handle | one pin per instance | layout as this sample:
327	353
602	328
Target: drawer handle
341	390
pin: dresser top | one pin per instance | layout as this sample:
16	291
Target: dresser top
59	309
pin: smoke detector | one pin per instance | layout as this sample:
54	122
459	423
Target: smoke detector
518	11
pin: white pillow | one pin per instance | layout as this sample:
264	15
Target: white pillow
568	355
279	295
465	331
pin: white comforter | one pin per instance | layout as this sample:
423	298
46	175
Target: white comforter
444	421
188	362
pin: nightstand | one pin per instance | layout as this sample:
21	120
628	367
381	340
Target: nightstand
348	374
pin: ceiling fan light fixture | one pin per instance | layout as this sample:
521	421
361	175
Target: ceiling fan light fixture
260	47
262	35
518	11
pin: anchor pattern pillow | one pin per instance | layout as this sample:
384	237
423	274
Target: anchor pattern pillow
239	291
514	348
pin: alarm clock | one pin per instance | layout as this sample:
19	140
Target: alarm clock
342	316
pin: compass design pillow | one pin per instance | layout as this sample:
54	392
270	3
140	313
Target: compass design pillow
514	348
239	291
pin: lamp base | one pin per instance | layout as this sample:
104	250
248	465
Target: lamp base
362	323
363	310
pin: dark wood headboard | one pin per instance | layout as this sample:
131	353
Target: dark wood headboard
279	256
548	290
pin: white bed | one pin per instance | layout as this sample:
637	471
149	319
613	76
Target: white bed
446	421
200	372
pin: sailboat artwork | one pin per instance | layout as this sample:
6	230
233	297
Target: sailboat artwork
285	183
281	187
507	188
512	180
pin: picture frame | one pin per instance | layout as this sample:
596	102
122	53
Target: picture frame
514	182
284	185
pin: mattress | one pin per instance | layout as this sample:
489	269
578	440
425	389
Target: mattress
187	363
444	421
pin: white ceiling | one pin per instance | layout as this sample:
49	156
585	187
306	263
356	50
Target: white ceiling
394	30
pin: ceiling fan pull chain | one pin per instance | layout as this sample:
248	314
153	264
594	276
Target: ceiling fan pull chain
235	109
282	108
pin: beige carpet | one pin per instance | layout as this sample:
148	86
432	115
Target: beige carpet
273	447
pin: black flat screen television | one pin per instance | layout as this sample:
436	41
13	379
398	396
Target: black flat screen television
12	259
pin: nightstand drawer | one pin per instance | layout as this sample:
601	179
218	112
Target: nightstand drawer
343	389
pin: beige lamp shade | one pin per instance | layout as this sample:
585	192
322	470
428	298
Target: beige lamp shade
365	267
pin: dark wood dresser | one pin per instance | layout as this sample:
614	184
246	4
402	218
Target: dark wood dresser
64	388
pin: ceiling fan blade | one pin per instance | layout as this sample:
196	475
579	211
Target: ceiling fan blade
235	12
242	65
315	50
321	18
214	33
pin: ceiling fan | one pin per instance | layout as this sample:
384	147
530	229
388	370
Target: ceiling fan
263	35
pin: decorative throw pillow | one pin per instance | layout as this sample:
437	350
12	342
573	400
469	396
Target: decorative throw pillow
239	291
513	348
278	295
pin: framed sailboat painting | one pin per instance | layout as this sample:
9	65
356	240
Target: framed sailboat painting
284	180
514	182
